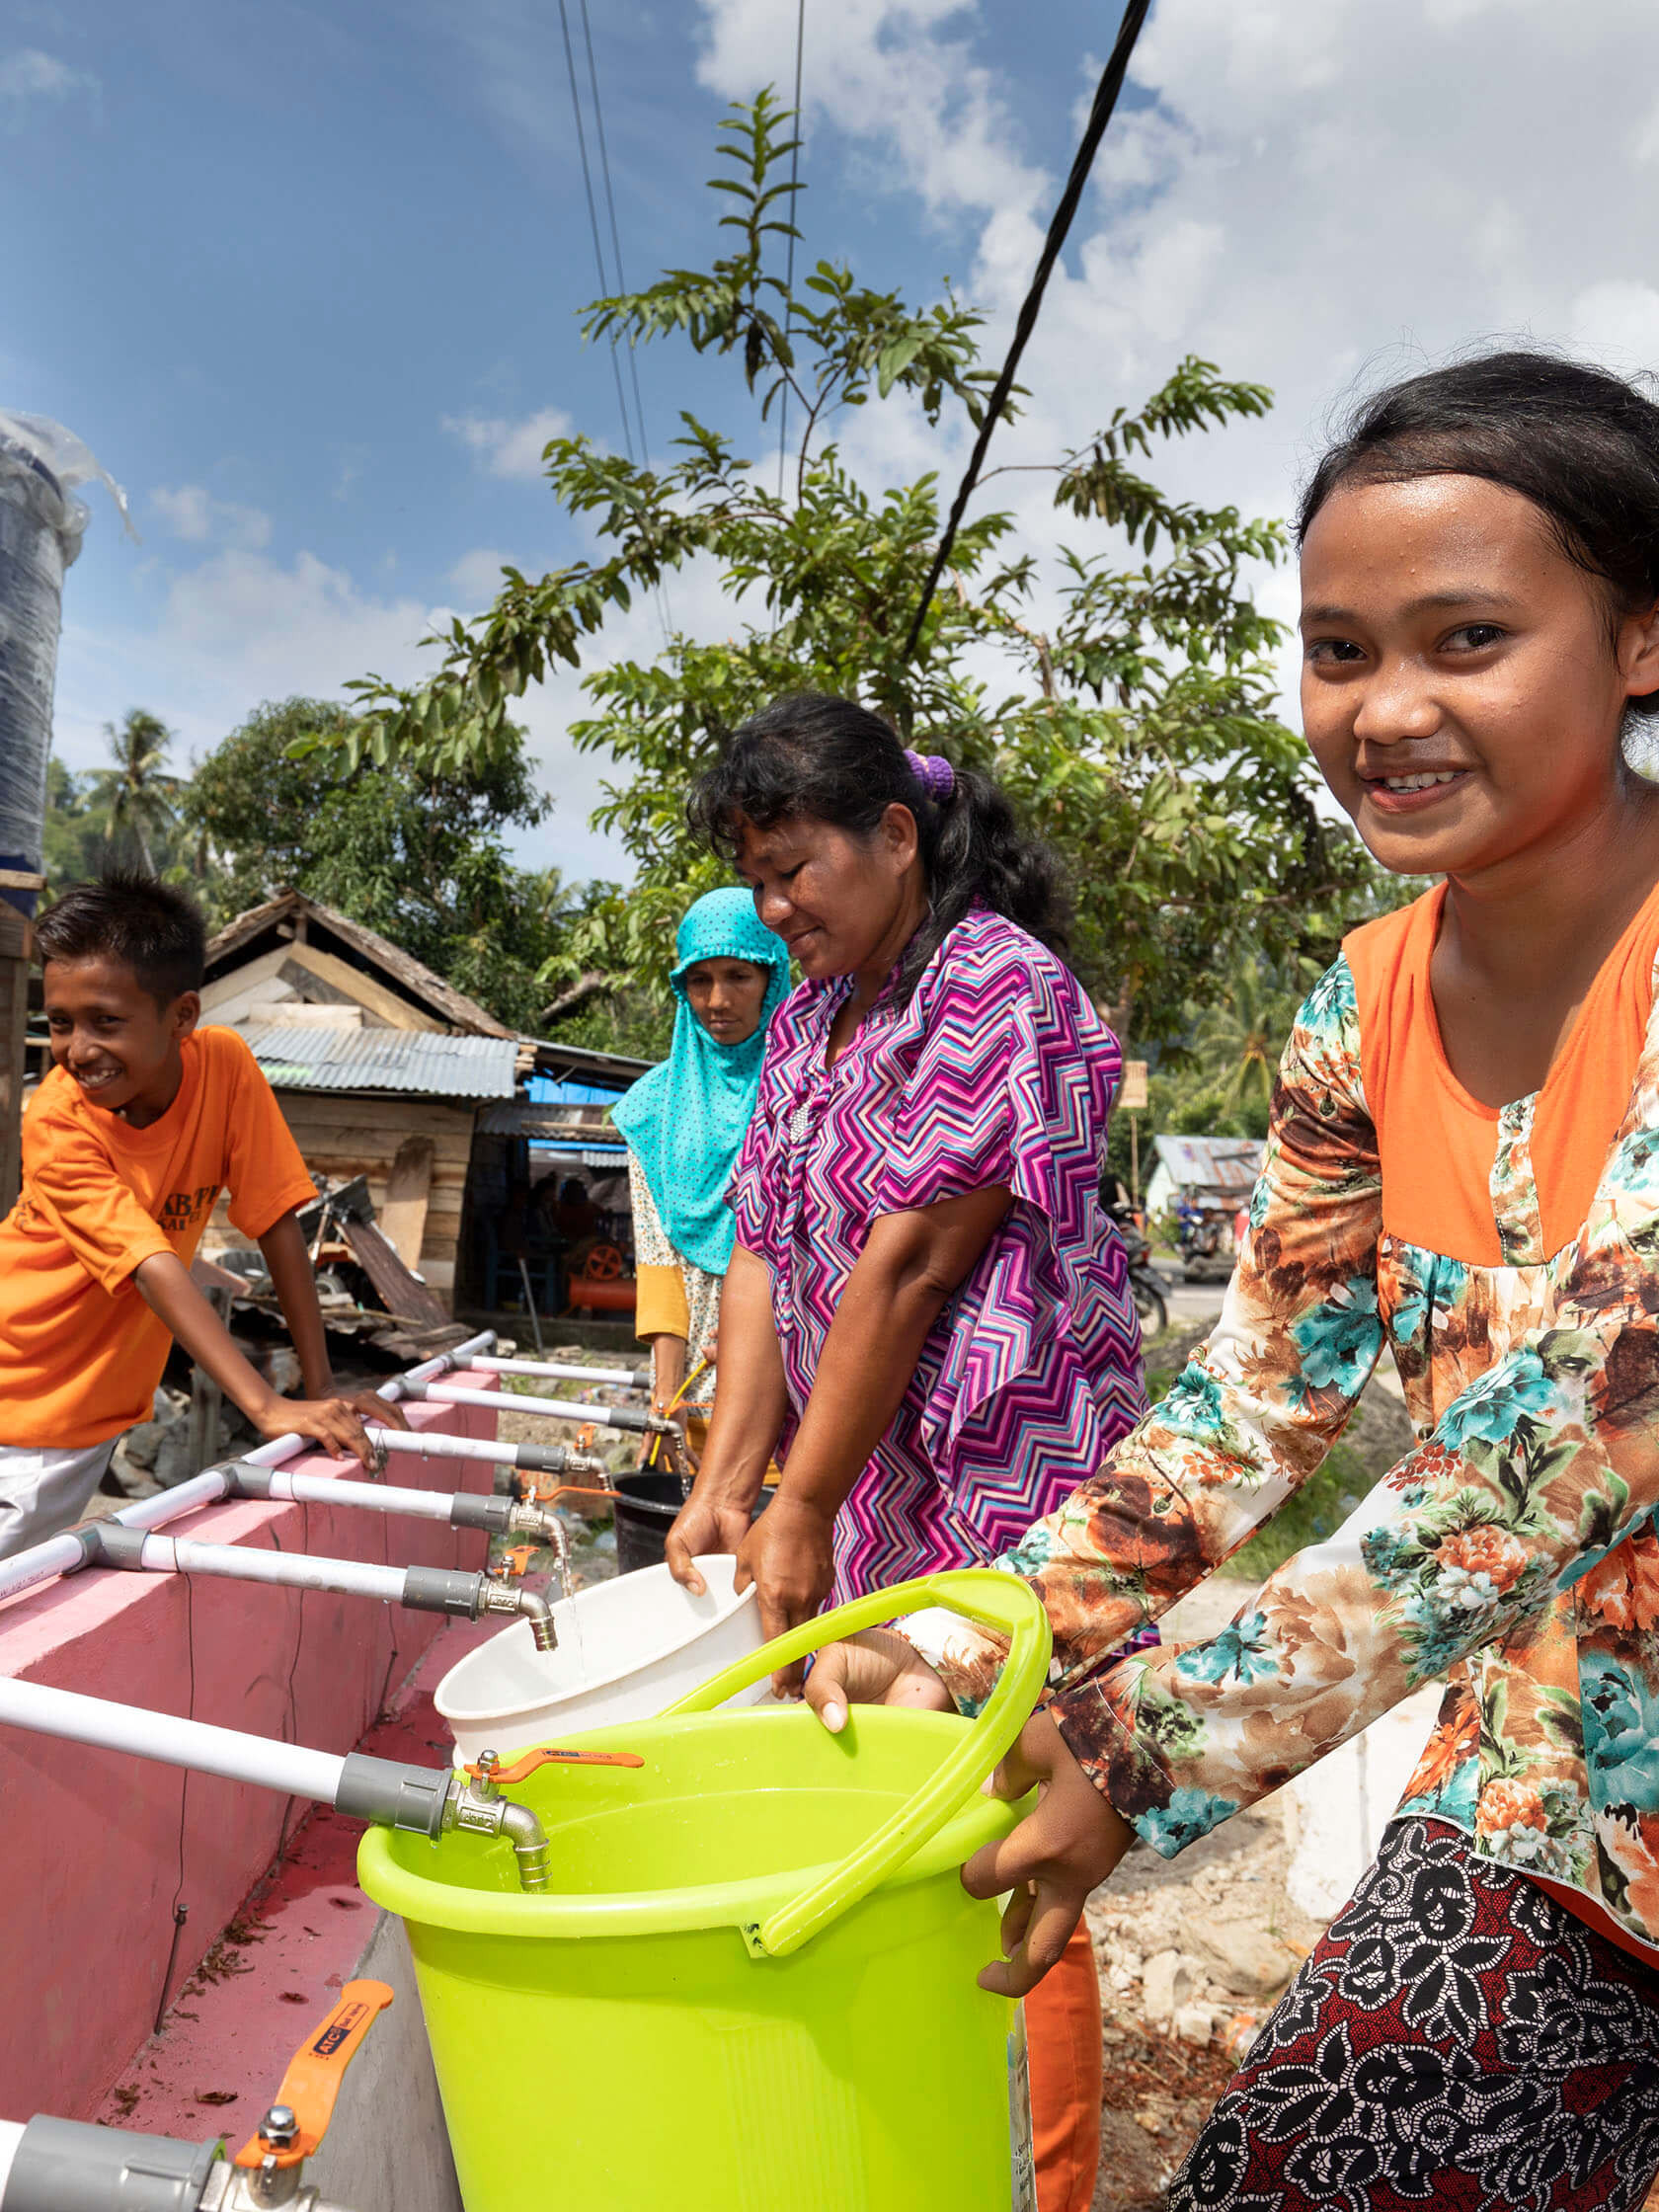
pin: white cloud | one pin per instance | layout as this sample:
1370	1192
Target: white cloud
193	514
1316	198
28	75
476	577
506	447
240	627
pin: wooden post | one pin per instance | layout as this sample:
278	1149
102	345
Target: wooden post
16	936
1133	1099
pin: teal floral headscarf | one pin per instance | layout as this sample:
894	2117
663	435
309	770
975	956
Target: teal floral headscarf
686	1121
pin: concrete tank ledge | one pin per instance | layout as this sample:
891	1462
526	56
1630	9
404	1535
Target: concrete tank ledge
297	1939
96	1849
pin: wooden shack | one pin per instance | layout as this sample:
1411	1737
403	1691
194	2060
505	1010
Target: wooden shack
383	1069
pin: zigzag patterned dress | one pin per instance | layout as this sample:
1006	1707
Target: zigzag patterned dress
997	1072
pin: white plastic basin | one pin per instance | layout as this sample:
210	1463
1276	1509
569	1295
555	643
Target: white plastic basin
644	1642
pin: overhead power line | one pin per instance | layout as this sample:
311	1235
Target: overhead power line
794	196
593	219
1100	114
606	287
615	235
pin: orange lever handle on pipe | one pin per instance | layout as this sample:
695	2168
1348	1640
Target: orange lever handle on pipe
316	2071
546	1754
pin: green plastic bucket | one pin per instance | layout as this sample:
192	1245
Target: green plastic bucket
750	1988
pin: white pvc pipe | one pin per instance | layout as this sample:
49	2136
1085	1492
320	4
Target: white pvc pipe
431	1444
353	1578
377	1497
445	1363
11	2135
619	1378
42	1562
292	1770
555	1409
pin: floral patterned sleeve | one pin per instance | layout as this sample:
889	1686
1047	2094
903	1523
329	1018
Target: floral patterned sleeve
1534	1472
1255	1410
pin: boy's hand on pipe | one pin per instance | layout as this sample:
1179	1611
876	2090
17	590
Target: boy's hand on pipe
877	1668
330	1422
378	1412
1058	1853
789	1558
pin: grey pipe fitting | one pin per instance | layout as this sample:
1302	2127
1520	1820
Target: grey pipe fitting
113	1545
392	1795
69	2166
444	1590
469	1511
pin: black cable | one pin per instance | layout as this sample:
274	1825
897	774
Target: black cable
181	1911
593	217
1100	114
294	1663
794	196
610	212
660	590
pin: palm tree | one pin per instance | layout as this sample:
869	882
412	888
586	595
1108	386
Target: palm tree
140	799
1238	1041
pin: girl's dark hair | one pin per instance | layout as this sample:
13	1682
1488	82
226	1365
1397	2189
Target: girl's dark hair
833	760
1581	443
129	916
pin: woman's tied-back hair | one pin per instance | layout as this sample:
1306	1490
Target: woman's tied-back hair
826	760
132	918
1581	443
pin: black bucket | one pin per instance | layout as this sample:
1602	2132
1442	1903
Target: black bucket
645	1508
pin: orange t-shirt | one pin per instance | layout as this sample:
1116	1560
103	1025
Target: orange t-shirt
1437	1144
80	1351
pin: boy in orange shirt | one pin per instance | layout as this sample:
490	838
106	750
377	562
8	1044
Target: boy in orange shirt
140	1124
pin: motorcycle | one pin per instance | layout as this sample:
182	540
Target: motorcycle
1145	1286
1204	1235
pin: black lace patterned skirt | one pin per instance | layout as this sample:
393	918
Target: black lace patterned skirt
1459	2040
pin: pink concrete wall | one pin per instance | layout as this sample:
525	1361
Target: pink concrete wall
95	1848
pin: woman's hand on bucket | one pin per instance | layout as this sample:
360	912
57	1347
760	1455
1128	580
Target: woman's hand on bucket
789	1558
703	1523
1059	1851
877	1668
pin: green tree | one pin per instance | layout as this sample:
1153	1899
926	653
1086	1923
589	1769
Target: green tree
75	841
411	848
138	796
1138	727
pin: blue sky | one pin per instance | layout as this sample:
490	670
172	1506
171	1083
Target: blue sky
304	278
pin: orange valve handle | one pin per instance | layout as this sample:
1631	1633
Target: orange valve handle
514	1562
546	1754
316	2071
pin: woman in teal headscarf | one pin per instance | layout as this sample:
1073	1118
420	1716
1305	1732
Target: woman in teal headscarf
685	1124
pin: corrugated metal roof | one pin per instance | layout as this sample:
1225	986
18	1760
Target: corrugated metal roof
293	1057
544	1122
1214	1164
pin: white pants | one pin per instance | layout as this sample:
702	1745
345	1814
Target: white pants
45	1491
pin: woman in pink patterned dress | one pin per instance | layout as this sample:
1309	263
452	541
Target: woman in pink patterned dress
926	1307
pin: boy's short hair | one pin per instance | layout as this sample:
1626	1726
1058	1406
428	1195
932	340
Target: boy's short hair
133	917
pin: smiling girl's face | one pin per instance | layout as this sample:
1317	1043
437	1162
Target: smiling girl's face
1463	682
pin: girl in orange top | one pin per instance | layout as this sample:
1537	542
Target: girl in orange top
1462	1170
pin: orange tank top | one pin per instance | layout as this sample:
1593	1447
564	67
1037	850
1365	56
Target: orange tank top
1438	1145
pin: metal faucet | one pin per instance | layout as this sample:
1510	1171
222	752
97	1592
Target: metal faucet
528	1605
475	1803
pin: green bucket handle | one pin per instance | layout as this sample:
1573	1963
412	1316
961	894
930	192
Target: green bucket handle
980	1593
